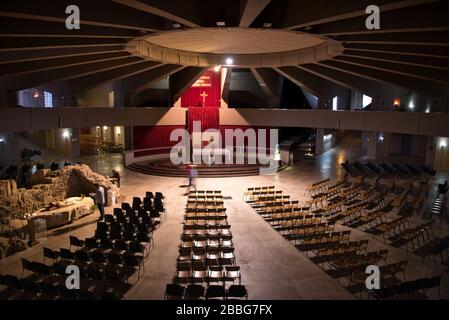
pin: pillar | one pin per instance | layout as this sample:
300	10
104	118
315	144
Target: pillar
319	141
75	143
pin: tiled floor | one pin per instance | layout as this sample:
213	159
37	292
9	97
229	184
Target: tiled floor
271	267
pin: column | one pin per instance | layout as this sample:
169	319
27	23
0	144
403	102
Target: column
75	143
319	141
431	147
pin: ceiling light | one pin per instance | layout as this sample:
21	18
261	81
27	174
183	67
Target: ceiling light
267	25
176	25
229	61
221	24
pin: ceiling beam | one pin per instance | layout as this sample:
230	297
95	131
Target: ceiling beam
301	14
44	54
432	63
49	64
424	51
115	15
440	76
427	17
369	87
434	38
85	83
388	78
34	28
250	10
268	80
227	85
43	77
182	80
155	7
144	80
310	82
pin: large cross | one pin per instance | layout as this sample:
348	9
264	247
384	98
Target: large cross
204	95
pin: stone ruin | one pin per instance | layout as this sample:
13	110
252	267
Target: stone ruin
47	187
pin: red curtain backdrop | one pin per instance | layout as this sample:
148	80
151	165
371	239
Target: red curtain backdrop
209	117
147	137
209	83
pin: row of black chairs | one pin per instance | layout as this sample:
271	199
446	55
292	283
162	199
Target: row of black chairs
196	292
26	288
410	288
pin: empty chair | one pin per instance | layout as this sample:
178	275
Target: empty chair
215	292
183	273
30	287
121	245
149	194
134	263
91	244
67	255
74	241
51	254
215	274
174	291
237	291
194	292
232	273
139	249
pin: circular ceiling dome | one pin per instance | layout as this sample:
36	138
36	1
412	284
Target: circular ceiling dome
235	40
246	47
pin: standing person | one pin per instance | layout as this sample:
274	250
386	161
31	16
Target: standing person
99	199
116	175
193	176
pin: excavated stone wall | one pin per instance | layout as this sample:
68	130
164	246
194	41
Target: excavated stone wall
48	186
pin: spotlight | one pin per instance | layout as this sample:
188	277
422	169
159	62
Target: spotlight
381	138
397	103
443	144
221	24
217	68
229	61
2	140
65	134
105	128
428	110
411	106
36	95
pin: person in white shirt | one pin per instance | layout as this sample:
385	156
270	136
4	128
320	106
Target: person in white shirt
99	199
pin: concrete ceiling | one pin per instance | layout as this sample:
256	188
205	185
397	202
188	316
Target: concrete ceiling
411	50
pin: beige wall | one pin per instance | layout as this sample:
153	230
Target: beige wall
442	154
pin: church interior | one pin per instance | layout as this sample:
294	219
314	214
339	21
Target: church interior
226	150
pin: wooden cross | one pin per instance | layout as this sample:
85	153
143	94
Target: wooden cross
204	95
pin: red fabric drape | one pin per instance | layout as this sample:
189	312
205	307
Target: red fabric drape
209	117
146	137
211	85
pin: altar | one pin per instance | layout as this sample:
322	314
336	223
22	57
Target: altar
64	212
207	156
